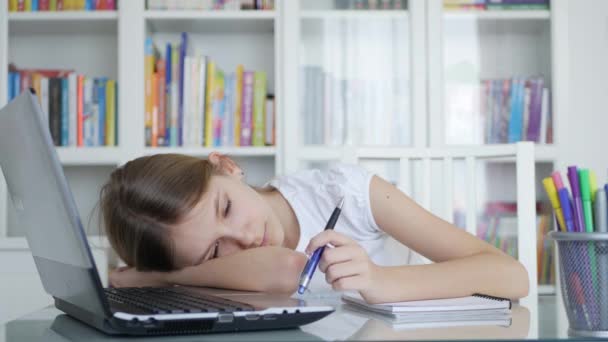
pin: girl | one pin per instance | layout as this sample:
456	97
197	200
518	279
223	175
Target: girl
175	219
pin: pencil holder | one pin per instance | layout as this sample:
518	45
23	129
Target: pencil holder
583	266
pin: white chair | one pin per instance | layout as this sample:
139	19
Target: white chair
522	154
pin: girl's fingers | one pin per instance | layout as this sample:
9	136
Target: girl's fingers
342	270
325	237
337	255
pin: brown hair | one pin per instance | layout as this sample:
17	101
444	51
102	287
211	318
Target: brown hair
143	198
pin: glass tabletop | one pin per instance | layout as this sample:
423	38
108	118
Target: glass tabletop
50	324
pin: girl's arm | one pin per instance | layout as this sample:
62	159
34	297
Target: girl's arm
265	269
463	264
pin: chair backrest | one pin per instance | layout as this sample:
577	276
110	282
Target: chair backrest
520	154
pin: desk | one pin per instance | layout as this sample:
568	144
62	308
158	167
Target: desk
50	324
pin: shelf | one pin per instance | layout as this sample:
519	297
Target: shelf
63	22
84	156
498	15
356	14
204	151
211	21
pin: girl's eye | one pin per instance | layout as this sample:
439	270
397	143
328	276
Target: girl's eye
216	249
227	210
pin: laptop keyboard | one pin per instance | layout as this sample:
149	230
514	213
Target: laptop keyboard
172	300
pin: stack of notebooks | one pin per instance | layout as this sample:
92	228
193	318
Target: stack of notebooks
463	311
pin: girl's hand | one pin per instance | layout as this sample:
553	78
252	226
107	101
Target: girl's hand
346	266
130	277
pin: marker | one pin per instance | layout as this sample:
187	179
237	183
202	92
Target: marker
554	199
586	198
564	200
579	221
313	262
575	282
592	184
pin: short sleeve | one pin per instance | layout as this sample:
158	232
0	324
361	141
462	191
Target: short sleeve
355	181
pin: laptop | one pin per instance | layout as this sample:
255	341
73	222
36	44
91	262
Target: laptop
46	209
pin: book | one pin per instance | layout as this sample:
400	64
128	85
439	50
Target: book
476	303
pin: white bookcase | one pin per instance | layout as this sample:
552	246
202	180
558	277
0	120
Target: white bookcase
111	43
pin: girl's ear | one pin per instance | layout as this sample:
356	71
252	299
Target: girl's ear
226	165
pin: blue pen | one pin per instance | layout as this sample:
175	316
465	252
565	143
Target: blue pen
312	263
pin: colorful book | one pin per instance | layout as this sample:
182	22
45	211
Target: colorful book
79	110
238	100
65	113
259	104
148	75
247	109
209	103
111	113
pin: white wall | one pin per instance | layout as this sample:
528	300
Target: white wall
587	126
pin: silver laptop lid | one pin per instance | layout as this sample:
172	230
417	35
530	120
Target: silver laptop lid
45	207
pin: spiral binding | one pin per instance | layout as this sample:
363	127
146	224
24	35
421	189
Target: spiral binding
492	298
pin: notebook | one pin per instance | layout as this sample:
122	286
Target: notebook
460	306
434	319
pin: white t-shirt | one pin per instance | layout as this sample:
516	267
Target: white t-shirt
314	194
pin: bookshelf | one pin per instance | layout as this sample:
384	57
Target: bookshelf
281	42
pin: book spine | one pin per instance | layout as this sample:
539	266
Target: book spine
101	98
535	110
149	73
162	97
186	120
35	7
526	109
44	98
111	113
28	6
59	5
87	113
13	5
79	109
202	99
175	80
168	91
154	101
43	5
238	99
259	103
515	123
209	103
65	113
72	86
218	105
544	116
228	109
247	109
55	110
269	138
180	114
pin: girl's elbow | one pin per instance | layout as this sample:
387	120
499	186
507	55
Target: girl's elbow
288	279
523	287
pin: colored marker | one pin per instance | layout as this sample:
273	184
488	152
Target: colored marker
564	200
579	221
552	193
575	282
586	198
592	184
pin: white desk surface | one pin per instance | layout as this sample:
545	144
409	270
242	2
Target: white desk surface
49	324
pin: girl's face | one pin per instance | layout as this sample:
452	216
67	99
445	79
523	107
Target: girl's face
230	217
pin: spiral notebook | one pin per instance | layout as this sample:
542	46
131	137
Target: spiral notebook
462	305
